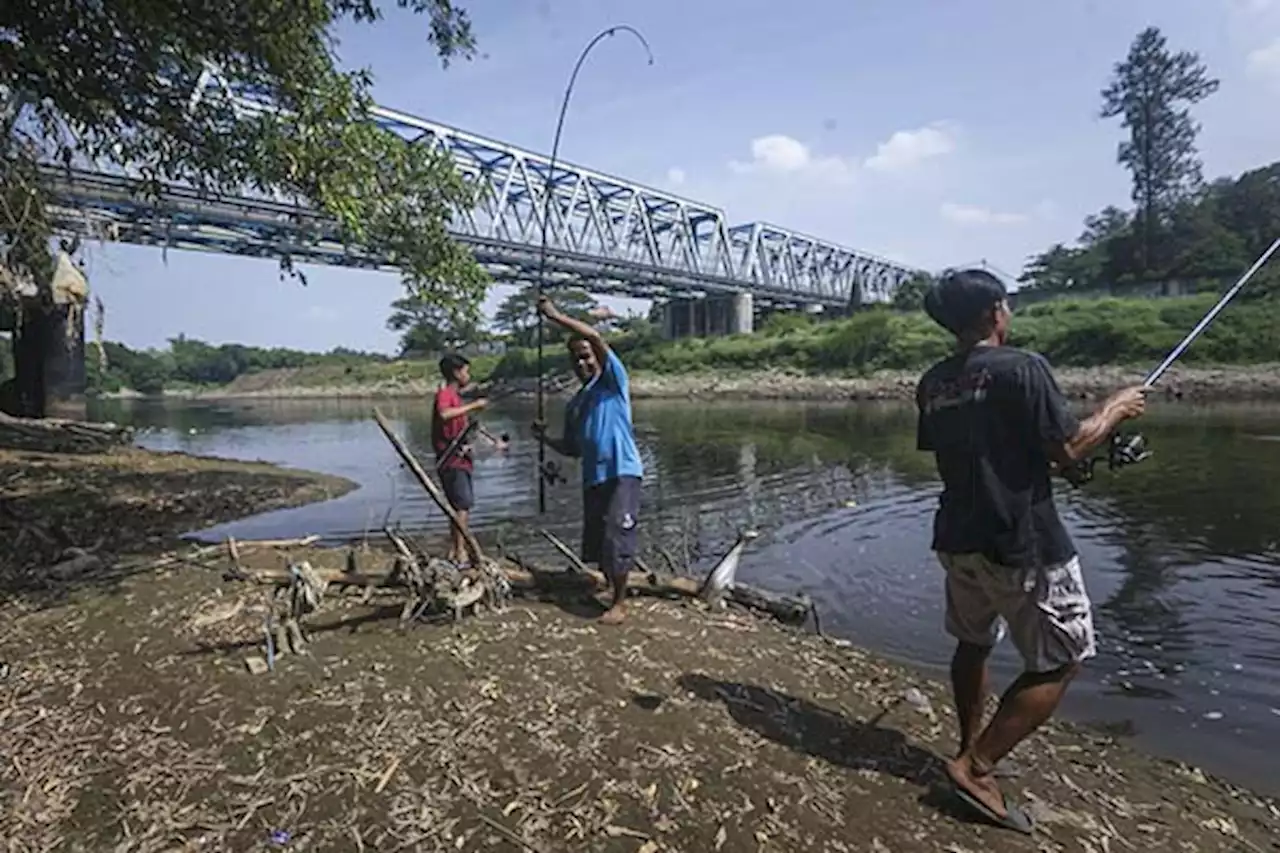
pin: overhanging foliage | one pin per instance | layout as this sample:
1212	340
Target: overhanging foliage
112	85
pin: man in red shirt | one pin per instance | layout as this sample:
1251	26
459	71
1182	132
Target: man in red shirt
449	419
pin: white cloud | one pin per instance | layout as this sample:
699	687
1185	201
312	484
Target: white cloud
963	214
676	176
782	155
1265	62
907	148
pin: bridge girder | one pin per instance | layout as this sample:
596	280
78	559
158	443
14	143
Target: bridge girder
604	234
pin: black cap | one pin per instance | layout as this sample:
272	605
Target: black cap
960	297
451	363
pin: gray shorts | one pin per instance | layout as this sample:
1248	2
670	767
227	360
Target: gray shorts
1047	609
610	516
456	484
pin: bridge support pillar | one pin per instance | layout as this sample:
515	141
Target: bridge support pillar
708	316
48	362
744	315
48	349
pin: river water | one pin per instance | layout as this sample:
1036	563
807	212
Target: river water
1181	553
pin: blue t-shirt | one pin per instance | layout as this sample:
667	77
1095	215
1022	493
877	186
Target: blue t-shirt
597	426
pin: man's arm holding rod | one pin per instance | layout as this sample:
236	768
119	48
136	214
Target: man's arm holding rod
547	309
583	330
1097	428
465	409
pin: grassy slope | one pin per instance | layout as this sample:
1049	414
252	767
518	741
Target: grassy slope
1082	334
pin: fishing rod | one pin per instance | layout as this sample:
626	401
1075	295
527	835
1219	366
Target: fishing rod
1129	449
454	447
549	191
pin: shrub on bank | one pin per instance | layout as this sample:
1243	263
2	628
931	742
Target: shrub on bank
1079	332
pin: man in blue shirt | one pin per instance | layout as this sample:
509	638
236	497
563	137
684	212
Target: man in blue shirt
598	430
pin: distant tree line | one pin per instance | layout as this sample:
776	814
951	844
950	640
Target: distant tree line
187	361
427	330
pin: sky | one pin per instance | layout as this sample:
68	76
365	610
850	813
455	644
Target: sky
936	134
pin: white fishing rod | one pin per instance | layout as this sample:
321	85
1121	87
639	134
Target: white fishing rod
1126	450
1163	367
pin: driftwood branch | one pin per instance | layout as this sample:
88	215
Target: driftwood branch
55	435
415	468
579	567
790	609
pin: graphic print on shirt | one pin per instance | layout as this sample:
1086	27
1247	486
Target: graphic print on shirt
952	392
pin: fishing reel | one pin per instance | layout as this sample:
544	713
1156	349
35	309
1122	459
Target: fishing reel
1122	450
551	474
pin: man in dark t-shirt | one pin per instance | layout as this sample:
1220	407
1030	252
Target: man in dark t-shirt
998	426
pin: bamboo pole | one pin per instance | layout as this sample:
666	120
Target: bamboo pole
415	468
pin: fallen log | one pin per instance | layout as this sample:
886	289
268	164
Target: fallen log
789	609
56	435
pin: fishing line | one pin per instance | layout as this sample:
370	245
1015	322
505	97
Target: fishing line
549	191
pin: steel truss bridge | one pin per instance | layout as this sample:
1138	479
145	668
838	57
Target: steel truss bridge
605	235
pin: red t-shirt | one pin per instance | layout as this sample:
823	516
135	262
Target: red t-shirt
443	432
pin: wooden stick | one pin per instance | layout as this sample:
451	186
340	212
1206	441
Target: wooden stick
277	543
575	561
415	468
508	834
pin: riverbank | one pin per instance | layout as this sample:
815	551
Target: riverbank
134	725
80	515
1203	384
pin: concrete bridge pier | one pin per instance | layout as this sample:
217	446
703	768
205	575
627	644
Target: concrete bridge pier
48	345
708	316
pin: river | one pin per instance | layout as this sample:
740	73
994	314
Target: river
1181	553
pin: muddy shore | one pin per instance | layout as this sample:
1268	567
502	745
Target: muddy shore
130	723
1203	384
129	503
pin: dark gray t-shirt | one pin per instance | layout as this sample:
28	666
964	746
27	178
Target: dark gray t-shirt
987	415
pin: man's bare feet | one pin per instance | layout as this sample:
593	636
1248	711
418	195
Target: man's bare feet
615	615
983	788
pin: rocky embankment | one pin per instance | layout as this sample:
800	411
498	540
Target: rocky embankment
1204	384
1182	383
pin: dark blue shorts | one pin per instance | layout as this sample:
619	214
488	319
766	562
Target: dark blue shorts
457	488
610	519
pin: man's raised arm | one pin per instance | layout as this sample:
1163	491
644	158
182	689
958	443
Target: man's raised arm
583	330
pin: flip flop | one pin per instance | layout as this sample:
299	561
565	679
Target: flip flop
1015	818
